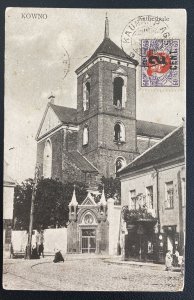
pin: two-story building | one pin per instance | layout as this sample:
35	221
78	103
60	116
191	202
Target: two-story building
153	185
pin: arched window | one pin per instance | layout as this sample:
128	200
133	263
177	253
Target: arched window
118	91
120	163
85	135
47	163
119	132
86	95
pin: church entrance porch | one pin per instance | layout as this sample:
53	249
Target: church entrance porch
88	241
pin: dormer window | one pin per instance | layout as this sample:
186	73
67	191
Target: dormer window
86	93
85	135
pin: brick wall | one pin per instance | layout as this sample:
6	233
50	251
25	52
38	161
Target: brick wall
57	141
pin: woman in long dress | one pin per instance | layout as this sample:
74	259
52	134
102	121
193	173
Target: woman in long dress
168	261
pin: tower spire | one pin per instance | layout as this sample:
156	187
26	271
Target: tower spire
106	31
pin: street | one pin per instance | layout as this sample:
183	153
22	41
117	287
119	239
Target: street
87	274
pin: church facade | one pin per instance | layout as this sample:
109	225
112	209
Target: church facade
102	134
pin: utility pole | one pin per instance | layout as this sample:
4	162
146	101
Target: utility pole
36	177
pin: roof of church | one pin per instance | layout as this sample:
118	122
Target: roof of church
109	47
152	129
65	114
171	146
80	161
145	128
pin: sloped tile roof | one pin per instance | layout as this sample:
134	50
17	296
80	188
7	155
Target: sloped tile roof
65	114
80	161
152	129
172	146
109	47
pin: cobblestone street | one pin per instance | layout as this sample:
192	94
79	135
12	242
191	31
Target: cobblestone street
88	274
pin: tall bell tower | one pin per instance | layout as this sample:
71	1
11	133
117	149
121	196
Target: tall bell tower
106	107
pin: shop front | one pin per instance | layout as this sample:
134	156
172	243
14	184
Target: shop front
140	240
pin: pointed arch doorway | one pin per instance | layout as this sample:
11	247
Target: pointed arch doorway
88	228
88	240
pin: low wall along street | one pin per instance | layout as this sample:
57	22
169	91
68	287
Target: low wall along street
53	238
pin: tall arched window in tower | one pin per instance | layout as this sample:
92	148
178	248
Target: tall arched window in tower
85	135
47	163
118	91
86	95
120	163
119	132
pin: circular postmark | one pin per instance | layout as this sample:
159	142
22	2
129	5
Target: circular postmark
143	27
66	63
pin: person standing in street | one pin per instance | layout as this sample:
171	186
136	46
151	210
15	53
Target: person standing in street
40	242
168	261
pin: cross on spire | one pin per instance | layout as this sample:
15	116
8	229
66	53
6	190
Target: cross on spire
106	31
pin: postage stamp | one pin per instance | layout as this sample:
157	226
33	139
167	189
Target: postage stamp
160	63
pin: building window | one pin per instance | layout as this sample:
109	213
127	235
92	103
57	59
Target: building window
47	162
119	132
85	135
120	163
149	197
183	192
86	95
132	195
118	91
169	201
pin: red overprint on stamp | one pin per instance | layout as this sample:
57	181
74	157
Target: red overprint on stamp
158	62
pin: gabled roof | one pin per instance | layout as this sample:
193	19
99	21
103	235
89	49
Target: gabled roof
65	114
81	162
89	200
152	129
171	146
109	47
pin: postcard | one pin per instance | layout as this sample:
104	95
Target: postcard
94	149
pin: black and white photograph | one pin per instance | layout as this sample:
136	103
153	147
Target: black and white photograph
94	185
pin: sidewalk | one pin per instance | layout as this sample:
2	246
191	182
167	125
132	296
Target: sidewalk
117	260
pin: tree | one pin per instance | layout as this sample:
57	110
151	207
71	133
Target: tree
22	204
112	188
51	202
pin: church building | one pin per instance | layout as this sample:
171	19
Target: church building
102	134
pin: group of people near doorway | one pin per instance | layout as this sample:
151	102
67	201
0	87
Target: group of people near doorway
172	260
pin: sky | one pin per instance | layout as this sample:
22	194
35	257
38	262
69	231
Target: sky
35	50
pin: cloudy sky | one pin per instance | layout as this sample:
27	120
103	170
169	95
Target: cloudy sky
34	53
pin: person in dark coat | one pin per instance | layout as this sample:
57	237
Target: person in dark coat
34	254
58	256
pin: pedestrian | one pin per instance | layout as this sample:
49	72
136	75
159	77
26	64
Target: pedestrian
34	254
40	242
58	256
176	258
168	261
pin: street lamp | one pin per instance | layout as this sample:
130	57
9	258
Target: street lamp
36	177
